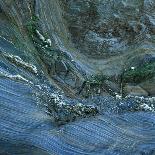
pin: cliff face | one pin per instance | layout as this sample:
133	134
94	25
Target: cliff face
112	36
70	62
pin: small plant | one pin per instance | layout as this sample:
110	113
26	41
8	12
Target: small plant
32	25
96	80
140	73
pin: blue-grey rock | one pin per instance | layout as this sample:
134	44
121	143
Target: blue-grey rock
42	113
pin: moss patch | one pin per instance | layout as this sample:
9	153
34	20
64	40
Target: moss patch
93	85
96	80
140	73
31	25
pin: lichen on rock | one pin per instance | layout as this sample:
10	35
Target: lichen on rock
63	112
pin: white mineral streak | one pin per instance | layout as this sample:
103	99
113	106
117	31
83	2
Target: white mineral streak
146	103
57	99
49	41
15	77
151	99
20	61
146	107
118	97
42	38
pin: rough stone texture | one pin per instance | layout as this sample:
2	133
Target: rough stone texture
94	36
149	86
135	91
115	35
55	51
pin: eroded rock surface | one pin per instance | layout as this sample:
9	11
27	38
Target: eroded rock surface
64	70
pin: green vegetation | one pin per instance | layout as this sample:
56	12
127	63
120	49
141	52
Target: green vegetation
140	73
32	25
93	84
96	80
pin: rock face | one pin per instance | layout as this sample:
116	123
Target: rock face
135	91
112	36
149	86
61	64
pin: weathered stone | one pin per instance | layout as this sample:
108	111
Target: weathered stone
82	38
61	68
71	79
148	58
115	35
149	86
134	90
115	87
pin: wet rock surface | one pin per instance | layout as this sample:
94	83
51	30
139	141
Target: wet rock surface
77	77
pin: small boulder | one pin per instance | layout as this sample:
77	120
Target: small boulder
149	86
134	90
